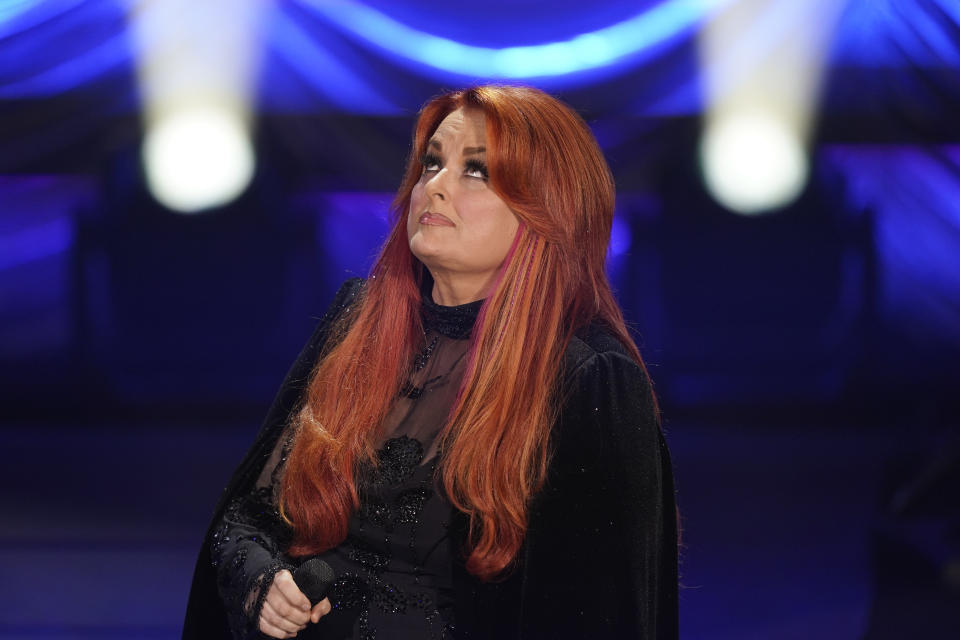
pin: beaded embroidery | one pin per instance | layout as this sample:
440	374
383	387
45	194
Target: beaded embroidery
397	461
247	546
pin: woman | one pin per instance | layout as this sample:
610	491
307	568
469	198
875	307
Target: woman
469	439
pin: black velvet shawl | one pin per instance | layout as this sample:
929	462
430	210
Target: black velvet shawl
600	555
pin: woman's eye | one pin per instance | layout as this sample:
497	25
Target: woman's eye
476	169
430	163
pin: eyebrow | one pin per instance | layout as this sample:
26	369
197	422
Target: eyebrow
467	151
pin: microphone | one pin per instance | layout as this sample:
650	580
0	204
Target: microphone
314	578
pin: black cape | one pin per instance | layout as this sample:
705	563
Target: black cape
600	556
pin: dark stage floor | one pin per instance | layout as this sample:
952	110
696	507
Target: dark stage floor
785	534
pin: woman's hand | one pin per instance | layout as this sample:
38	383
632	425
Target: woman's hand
286	611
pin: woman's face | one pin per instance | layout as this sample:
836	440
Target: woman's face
457	226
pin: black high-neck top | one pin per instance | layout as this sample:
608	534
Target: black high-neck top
453	322
394	568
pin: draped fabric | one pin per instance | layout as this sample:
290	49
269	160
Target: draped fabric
362	56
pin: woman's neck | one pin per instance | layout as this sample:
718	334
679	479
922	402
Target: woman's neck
452	292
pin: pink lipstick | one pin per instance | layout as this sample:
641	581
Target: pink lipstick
435	219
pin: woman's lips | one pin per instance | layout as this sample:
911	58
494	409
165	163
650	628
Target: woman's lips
435	219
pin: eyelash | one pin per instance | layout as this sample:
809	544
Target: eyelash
431	160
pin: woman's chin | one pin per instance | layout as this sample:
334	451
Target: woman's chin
426	251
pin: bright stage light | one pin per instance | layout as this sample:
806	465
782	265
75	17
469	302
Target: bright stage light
197	63
753	162
762	70
198	158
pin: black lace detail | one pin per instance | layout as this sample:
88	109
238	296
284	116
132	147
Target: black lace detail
398	459
453	322
246	551
404	510
367	587
414	392
350	592
366	556
257	593
289	439
421	360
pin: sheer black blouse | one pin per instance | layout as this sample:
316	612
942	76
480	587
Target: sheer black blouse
393	570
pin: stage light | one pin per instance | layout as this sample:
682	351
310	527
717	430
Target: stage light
198	158
753	162
762	68
196	63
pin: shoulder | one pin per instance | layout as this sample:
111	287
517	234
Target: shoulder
606	396
596	351
347	295
606	507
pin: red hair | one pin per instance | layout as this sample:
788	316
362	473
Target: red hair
546	166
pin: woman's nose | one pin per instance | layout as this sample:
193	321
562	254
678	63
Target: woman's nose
436	186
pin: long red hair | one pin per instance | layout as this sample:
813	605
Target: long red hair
546	166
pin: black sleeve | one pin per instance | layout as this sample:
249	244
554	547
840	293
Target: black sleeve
601	548
244	543
246	551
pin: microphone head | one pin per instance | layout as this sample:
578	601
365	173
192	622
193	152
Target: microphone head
314	578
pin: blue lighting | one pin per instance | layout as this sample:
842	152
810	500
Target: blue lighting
36	219
19	15
336	81
912	194
73	73
35	243
617	253
601	48
52	47
619	236
359	56
351	228
891	33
